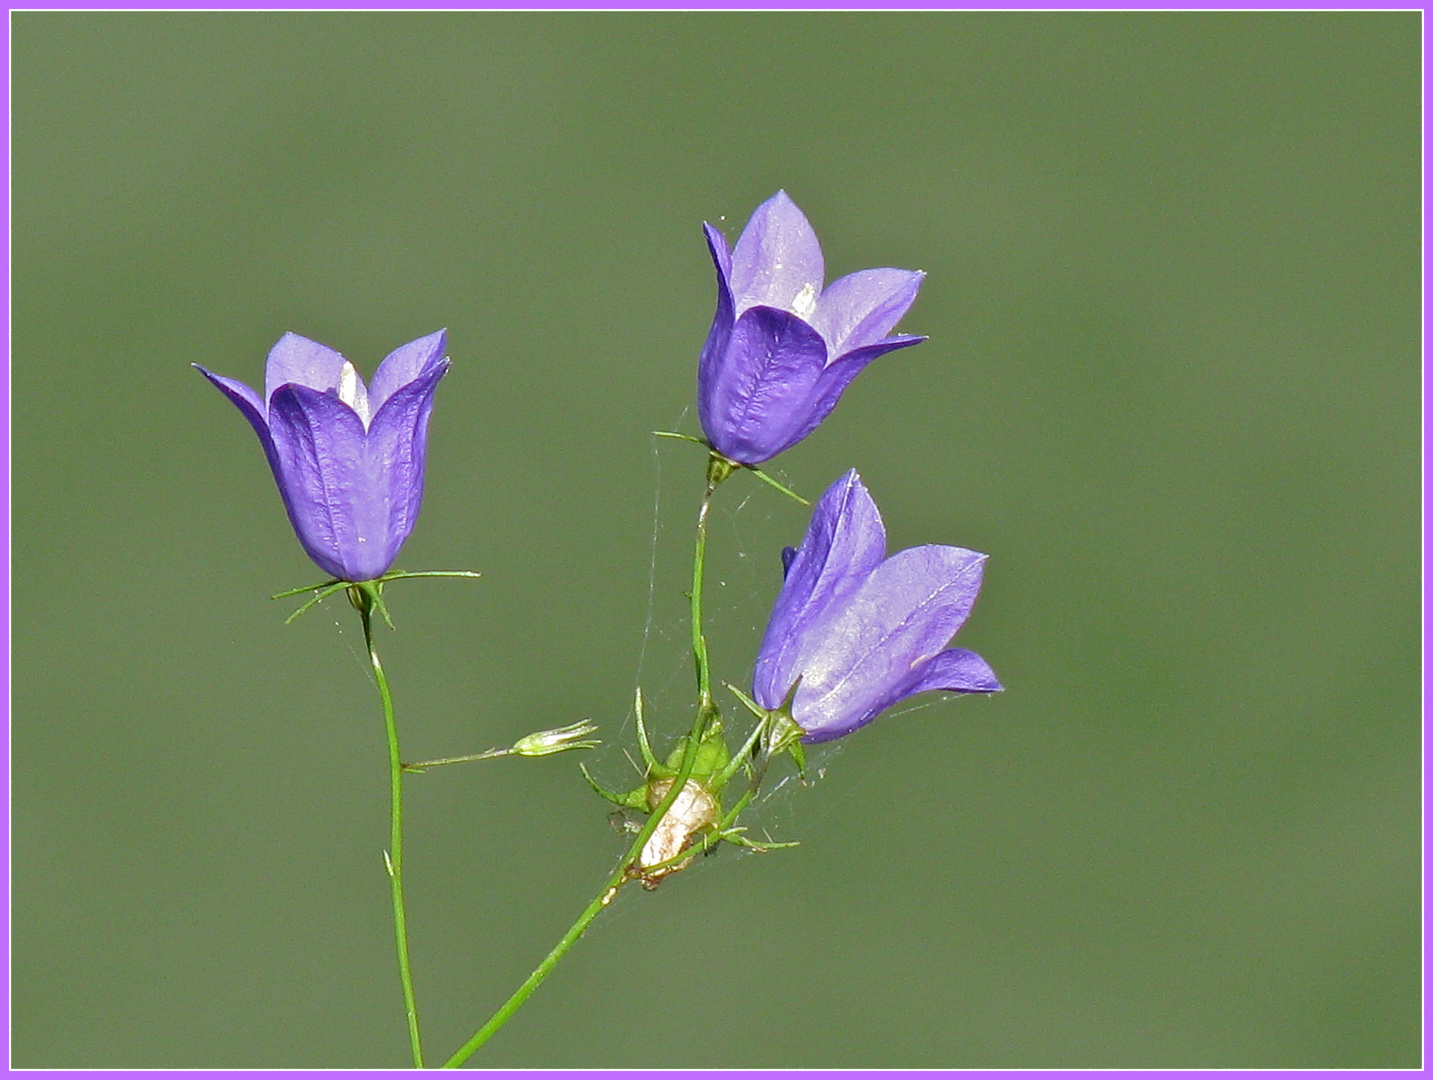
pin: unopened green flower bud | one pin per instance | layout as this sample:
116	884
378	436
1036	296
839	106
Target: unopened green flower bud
556	740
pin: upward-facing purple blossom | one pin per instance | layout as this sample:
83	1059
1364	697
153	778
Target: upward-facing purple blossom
781	351
348	459
862	631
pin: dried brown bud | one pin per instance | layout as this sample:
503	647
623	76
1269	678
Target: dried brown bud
693	812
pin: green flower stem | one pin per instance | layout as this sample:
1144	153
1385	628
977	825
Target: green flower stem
718	469
619	877
394	857
729	818
699	641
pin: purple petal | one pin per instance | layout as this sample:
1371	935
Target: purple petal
832	384
338	508
905	612
788	555
861	308
776	258
959	670
397	452
709	365
254	411
838	375
246	399
296	359
402	366
845	542
721	254
757	394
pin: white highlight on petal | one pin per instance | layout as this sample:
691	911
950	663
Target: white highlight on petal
352	392
805	302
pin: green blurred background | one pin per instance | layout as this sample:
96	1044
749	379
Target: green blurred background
1171	388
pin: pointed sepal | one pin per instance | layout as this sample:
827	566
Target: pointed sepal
636	799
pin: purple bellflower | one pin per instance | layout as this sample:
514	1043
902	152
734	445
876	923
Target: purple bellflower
781	351
861	631
348	459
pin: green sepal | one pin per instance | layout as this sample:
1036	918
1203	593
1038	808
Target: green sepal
322	592
636	799
780	734
684	438
798	755
778	485
366	595
736	836
719	466
334	583
648	758
372	588
783	736
751	706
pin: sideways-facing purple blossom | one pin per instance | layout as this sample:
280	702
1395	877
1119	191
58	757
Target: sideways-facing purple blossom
781	351
348	459
862	631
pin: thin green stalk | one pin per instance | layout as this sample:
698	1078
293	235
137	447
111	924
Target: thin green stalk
394	857
718	469
729	818
486	755
699	641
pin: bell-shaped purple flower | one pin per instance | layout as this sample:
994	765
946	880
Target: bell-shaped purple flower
348	458
862	631
781	351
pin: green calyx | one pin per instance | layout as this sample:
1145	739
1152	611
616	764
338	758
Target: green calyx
783	736
363	595
778	732
719	467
